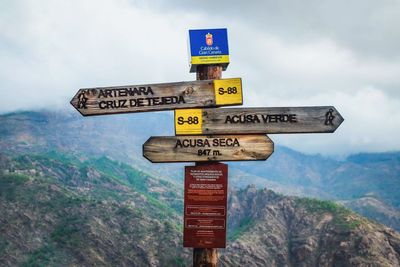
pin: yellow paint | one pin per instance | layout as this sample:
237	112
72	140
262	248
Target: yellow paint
228	91
188	121
210	59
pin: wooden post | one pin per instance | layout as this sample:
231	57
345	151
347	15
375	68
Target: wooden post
206	257
209	72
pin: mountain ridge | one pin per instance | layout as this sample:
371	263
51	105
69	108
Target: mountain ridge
286	171
64	210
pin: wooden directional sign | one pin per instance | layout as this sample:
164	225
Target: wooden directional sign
325	119
153	97
207	148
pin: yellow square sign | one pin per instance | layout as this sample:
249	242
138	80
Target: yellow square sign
228	91
188	121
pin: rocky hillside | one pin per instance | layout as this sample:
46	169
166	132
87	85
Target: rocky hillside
59	211
352	181
273	230
62	210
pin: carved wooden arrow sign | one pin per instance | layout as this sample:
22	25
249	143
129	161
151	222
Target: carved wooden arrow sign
159	149
154	97
318	119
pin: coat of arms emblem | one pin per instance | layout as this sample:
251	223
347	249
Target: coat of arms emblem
209	39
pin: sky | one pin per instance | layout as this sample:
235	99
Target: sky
288	53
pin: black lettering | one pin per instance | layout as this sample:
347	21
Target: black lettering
231	119
181	100
207	143
133	91
185	142
275	118
122	92
198	143
178	144
105	93
181	120
101	94
142	90
236	142
132	103
156	101
222	142
166	100
253	119
229	142
102	104
109	104
140	102
215	142
247	118
122	103
203	143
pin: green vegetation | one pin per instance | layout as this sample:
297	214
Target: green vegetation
3	246
9	184
178	262
68	231
112	175
341	216
244	225
66	192
41	257
12	179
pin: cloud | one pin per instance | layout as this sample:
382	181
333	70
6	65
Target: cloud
288	54
51	49
371	124
366	26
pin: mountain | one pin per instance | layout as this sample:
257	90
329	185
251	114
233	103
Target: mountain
372	207
351	182
275	230
120	137
62	210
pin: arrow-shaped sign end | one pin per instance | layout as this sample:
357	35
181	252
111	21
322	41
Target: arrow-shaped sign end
145	151
272	147
333	117
79	101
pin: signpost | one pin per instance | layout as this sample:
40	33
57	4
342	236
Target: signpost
154	97
207	148
206	134
205	206
322	119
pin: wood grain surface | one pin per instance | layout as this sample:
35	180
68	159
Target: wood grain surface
151	97
271	120
159	149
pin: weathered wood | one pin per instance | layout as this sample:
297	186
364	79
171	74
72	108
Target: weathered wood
159	149
205	257
154	97
273	120
209	72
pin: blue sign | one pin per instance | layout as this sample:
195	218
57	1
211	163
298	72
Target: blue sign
208	47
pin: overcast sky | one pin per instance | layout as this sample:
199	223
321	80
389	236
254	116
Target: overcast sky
288	53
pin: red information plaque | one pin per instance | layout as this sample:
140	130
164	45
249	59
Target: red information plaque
205	206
